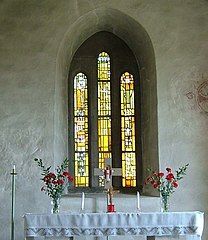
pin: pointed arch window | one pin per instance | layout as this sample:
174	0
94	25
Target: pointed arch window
106	115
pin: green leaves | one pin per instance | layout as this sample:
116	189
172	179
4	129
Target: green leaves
181	172
167	182
54	183
40	164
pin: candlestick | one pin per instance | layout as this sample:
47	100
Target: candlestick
13	173
138	201
83	200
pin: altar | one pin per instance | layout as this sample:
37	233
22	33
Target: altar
150	224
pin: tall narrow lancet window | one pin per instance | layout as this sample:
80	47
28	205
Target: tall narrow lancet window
104	110
81	131
128	130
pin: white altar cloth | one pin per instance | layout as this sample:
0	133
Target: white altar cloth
111	224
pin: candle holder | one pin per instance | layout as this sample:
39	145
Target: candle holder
111	208
110	205
138	210
13	175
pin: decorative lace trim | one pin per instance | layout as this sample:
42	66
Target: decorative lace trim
148	231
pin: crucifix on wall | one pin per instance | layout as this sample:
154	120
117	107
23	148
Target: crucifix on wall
108	172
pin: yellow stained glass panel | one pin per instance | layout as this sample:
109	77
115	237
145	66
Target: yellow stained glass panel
104	110
128	130
81	131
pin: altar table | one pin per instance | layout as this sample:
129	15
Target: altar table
113	224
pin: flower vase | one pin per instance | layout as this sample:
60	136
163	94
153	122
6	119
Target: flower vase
164	201
55	205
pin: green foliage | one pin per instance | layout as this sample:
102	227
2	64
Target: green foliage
181	172
54	183
166	183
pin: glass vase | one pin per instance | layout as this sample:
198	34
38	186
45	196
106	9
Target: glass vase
55	205
164	201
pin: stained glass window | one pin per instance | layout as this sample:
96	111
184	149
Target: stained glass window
104	110
81	131
128	130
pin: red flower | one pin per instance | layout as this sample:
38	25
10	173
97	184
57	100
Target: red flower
70	178
54	182
160	174
175	184
47	179
66	174
52	175
155	185
168	169
60	182
148	179
152	181
170	177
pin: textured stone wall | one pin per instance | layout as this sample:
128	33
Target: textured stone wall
32	34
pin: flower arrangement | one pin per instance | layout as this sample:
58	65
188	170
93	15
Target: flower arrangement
166	183
55	183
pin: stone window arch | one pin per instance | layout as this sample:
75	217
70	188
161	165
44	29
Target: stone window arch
137	38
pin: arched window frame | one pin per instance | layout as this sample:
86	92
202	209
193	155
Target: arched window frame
87	69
